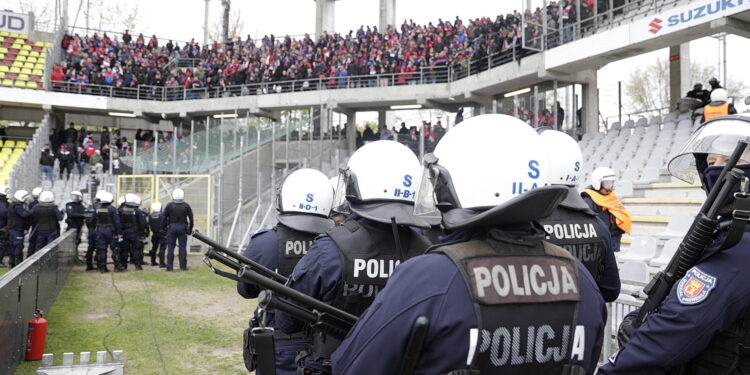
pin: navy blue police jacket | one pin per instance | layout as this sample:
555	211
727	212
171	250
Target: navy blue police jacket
709	299
262	249
431	285
609	281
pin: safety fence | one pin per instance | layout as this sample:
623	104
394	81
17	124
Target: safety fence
26	170
33	284
616	312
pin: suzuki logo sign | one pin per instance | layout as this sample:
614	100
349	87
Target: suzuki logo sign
14	22
655	26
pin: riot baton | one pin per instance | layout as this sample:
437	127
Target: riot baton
248	275
242	260
415	345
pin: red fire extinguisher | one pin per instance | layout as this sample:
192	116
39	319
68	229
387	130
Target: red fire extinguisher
37	337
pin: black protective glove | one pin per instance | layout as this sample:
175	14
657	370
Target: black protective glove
627	328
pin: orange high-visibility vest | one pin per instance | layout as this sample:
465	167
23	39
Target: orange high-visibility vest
711	111
611	203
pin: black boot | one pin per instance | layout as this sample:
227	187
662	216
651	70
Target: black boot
90	267
103	269
138	267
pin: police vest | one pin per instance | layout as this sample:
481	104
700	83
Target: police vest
579	234
526	302
78	208
103	217
14	220
154	222
3	212
292	245
711	111
728	352
127	218
45	218
178	214
368	258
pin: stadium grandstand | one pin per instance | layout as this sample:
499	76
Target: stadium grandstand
227	120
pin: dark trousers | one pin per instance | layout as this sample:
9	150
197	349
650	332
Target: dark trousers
4	244
177	232
32	243
158	245
131	248
105	236
43	239
91	236
16	247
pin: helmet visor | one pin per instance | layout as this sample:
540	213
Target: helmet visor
424	203
346	186
436	190
715	137
608	184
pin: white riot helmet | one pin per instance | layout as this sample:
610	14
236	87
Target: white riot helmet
155	207
490	170
20	196
77	196
380	183
719	95
36	192
46	198
100	195
120	201
305	191
566	157
4	191
132	200
178	195
603	177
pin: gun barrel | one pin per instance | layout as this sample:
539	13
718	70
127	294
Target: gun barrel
249	275
257	267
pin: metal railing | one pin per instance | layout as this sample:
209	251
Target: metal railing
33	284
26	171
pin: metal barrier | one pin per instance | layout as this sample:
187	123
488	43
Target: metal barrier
616	312
26	172
33	284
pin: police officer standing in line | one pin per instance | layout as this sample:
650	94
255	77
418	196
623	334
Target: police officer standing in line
74	215
498	298
106	223
158	241
133	224
32	237
703	325
45	218
351	263
573	225
303	203
178	221
719	105
18	225
601	198
88	214
4	239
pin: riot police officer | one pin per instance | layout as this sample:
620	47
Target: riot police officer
18	225
303	203
74	215
45	218
158	241
498	298
106	223
573	225
351	263
4	240
178	221
702	325
33	235
88	215
133	224
601	198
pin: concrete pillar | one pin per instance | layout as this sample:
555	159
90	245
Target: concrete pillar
590	107
679	72
324	16
351	131
382	122
387	14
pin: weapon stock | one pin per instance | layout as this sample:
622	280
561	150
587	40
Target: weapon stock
697	238
235	260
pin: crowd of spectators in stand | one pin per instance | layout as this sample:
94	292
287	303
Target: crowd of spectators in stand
410	52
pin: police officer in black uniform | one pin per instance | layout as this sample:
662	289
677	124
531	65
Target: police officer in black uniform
4	239
177	221
573	225
106	223
88	215
33	235
18	225
499	299
304	203
45	218
74	215
158	240
133	222
351	263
